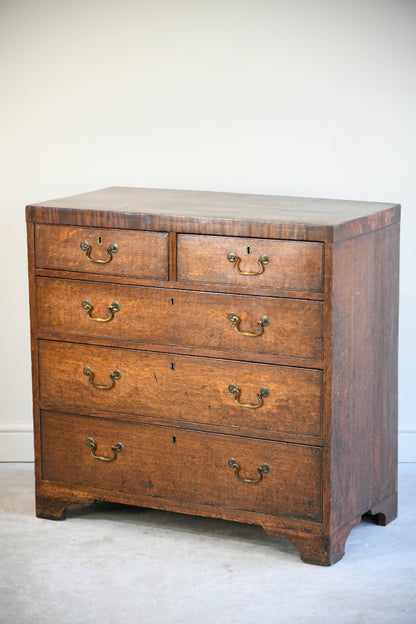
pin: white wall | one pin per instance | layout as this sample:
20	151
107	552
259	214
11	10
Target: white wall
312	98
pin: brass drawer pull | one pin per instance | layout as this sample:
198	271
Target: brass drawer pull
113	376
117	448
234	389
113	308
110	251
263	469
235	260
235	320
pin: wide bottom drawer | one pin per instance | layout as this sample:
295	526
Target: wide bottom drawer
193	467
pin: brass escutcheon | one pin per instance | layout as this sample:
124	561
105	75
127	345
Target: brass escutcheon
235	320
235	389
113	308
85	246
235	260
116	448
263	469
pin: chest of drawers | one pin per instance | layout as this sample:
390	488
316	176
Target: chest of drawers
224	355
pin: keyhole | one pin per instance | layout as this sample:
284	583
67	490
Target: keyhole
172	365
172	301
249	250
100	240
174	439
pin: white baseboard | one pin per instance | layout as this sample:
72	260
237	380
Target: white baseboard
407	446
16	444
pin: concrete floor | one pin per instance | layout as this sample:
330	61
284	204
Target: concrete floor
119	564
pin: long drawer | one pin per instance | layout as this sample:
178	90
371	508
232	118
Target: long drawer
284	327
193	467
129	253
195	389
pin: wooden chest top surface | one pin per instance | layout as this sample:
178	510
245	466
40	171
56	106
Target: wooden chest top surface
206	212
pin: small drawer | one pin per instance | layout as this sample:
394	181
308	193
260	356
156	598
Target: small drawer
254	263
129	253
287	328
238	395
189	466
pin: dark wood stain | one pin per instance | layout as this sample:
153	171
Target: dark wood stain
197	472
59	248
194	320
226	214
150	385
328	429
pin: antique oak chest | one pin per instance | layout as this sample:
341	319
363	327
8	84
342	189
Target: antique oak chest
216	354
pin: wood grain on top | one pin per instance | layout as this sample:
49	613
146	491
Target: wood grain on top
205	212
